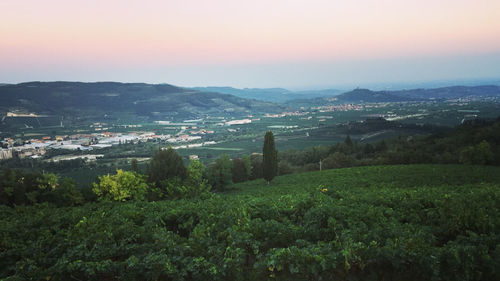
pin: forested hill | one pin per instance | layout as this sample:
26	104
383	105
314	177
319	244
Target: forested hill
112	97
454	92
438	94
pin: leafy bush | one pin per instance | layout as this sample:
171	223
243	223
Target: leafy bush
121	187
175	188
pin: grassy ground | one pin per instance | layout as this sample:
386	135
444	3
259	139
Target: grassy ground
370	178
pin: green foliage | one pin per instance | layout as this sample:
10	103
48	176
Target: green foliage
194	185
166	164
413	222
284	168
368	149
242	169
59	192
256	162
122	186
48	181
478	154
19	188
67	194
338	160
269	158
348	141
134	166
195	171
470	143
219	173
172	188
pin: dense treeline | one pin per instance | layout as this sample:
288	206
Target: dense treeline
166	178
475	142
59	166
19	188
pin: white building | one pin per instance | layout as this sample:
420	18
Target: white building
238	122
5	153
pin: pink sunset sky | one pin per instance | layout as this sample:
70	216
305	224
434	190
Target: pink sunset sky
255	43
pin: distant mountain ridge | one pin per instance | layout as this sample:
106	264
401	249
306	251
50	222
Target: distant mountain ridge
359	95
365	95
271	94
443	93
153	100
451	92
158	101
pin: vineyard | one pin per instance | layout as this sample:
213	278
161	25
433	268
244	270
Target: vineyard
407	222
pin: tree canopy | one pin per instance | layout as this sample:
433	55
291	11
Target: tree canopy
219	173
166	164
242	168
122	186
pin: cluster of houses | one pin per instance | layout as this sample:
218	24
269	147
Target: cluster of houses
285	114
36	148
10	148
339	107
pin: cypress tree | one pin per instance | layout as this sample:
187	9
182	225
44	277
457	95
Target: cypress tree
270	158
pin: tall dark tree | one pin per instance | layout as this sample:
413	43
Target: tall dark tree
270	158
134	167
166	164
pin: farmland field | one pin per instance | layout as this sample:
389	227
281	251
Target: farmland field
407	222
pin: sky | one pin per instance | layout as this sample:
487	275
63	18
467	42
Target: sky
258	43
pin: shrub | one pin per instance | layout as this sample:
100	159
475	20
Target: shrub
122	186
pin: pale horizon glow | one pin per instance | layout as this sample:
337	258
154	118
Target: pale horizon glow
249	43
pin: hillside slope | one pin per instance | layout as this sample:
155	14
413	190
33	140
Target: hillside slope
365	95
153	100
414	222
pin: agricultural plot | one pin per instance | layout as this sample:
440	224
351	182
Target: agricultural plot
20	123
408	222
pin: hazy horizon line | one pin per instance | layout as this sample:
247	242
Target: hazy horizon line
394	85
